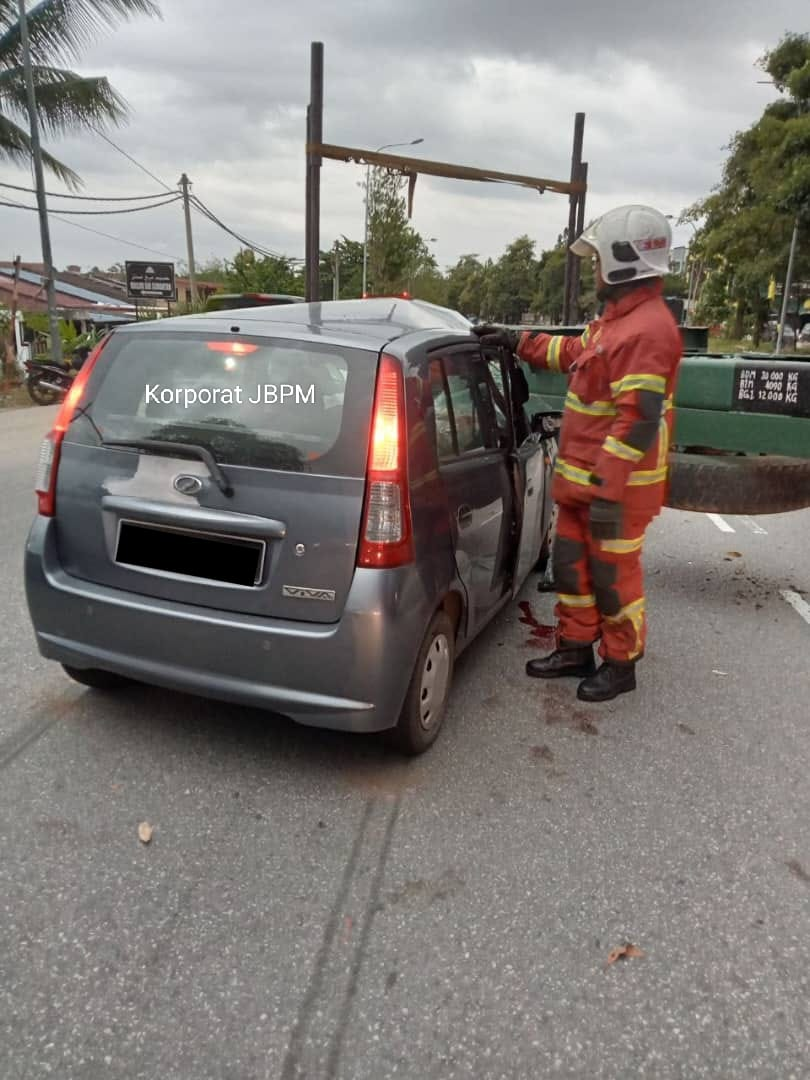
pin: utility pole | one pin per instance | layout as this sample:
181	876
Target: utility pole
788	286
336	278
365	234
192	278
42	206
314	138
571	286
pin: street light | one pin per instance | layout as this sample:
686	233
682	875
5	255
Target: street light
694	278
388	146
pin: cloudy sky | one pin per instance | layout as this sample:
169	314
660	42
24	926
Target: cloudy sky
219	90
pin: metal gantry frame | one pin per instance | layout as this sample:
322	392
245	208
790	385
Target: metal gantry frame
316	150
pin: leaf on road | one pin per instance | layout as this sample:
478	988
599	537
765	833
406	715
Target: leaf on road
145	831
729	555
623	952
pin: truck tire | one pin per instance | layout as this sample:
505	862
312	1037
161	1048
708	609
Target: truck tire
738	484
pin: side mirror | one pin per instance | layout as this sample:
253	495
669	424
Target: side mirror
546	424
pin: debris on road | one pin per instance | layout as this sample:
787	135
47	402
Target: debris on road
716	672
798	871
623	952
731	555
544	753
145	832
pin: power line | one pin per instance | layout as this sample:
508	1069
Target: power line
84	213
108	236
86	198
129	157
201	208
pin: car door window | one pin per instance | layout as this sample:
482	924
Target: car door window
466	417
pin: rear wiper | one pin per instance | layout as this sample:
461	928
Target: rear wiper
159	446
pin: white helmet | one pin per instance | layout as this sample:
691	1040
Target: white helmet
632	242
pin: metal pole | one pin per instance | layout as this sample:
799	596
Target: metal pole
573	200
307	202
580	225
192	280
788	286
313	289
42	206
365	233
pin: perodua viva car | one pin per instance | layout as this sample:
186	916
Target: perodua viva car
311	509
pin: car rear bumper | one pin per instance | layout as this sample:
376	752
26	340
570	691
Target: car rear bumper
351	675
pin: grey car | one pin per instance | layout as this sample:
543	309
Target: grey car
312	509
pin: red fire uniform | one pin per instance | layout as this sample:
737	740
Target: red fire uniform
614	446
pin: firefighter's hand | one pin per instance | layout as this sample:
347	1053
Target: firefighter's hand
497	336
606	519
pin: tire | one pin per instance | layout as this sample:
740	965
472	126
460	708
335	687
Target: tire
414	731
729	484
39	395
95	677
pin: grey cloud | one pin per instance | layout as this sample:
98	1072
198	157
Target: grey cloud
220	90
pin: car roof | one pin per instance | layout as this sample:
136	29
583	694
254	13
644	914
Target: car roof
369	324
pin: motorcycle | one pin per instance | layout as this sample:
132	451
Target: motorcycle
47	384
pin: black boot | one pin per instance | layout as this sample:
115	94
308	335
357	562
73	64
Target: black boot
577	660
609	681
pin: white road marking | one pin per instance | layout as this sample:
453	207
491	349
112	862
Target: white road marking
798	603
721	523
754	526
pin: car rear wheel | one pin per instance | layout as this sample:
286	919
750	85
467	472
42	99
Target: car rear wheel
425	703
95	677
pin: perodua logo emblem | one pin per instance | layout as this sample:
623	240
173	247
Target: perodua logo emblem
187	485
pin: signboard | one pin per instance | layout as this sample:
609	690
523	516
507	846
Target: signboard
151	281
772	387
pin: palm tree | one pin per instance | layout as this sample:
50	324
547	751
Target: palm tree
58	30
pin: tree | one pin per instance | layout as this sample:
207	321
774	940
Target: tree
467	284
271	274
59	30
548	300
350	269
513	281
397	255
748	219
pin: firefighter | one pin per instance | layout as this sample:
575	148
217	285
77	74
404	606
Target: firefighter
611	471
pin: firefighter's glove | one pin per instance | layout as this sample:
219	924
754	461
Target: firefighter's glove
497	337
606	519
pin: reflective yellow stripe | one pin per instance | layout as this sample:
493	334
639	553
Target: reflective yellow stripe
586	337
634	613
589	408
572	473
663	440
553	352
656	383
576	601
622	547
642	477
631	611
621	450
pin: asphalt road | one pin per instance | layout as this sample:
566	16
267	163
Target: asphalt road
311	907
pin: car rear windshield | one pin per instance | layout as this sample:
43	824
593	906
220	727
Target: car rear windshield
259	402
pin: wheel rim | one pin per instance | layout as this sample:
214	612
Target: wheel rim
435	677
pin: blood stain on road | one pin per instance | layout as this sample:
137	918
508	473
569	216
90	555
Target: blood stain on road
541	633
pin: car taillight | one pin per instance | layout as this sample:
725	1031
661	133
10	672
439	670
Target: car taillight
387	537
45	485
